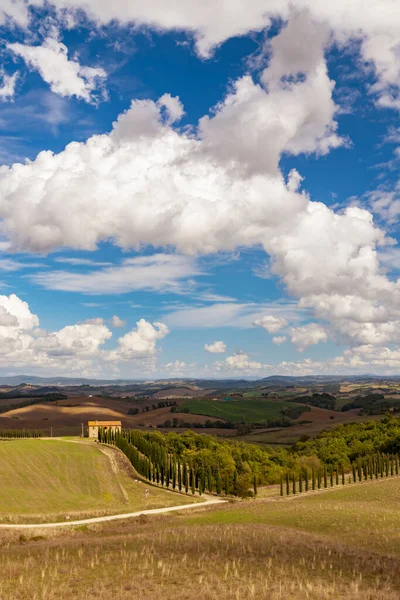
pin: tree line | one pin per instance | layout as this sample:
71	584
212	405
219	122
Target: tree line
170	468
20	433
375	466
204	463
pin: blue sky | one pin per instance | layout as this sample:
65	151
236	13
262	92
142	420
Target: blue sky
217	193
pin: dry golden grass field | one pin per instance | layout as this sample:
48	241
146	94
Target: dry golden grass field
336	545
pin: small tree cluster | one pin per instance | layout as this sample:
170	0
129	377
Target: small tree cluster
20	433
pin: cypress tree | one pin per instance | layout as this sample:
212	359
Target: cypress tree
337	475
255	484
185	479
306	479
167	475
294	483
226	484
343	479
319	479
179	476
391	466
217	483
210	480
192	480
300	483
331	475
162	474
287	485
325	478
397	464
174	474
235	490
353	468
313	478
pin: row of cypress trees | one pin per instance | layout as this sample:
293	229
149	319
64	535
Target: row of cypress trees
369	467
20	433
375	466
153	462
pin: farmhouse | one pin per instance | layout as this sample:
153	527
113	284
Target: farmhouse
93	427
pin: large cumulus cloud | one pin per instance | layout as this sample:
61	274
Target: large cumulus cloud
218	186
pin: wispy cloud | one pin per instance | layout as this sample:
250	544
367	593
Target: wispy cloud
9	264
82	262
240	315
159	272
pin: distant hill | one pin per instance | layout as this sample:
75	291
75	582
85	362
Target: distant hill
280	380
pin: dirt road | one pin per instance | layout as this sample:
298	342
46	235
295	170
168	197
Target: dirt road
153	511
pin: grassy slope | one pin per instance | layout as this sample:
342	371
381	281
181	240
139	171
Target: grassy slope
249	410
46	478
228	554
365	515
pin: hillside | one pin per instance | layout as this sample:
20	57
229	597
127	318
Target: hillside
49	479
335	545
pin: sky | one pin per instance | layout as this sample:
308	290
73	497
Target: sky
199	189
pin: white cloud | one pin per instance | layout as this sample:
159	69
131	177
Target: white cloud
17	308
65	77
255	124
374	25
239	362
82	340
308	335
215	347
7	87
219	186
75	348
232	314
140	342
158	272
370	358
115	321
15	10
385	203
176	368
82	262
270	323
279	339
9	264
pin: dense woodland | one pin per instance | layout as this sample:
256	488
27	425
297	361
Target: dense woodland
205	463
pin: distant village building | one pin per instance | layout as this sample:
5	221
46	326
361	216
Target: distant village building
106	425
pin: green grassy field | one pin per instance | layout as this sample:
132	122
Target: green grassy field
337	545
250	410
46	479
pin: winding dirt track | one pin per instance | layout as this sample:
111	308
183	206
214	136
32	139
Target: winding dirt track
152	511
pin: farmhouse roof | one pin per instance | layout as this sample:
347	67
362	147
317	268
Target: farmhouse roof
103	423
